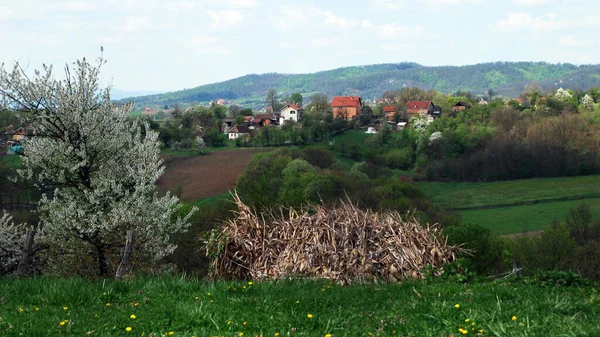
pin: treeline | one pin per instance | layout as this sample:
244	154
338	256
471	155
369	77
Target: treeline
507	78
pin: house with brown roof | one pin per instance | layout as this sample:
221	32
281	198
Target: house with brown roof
389	111
461	106
261	120
238	131
346	107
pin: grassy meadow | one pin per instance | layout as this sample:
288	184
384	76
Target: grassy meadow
184	307
515	206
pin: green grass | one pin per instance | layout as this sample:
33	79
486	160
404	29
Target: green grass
517	219
11	161
210	201
465	195
181	307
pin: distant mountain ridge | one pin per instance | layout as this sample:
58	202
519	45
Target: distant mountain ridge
370	81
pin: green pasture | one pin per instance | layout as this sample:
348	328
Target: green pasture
467	195
184	307
525	218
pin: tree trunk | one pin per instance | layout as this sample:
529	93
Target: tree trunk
125	264
102	264
26	254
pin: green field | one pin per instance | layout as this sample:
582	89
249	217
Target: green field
525	218
11	161
182	307
508	207
467	195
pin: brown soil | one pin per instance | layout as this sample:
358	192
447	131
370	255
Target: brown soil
204	176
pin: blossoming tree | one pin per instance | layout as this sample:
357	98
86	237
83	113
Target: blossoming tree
96	166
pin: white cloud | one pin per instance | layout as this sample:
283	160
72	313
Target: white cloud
324	42
390	4
179	5
532	3
5	13
340	22
135	23
547	22
210	45
366	24
581	40
224	18
78	6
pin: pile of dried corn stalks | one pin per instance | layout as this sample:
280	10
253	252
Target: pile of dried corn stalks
342	243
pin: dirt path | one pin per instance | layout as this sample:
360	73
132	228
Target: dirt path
204	176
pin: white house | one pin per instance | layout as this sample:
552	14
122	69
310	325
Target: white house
290	112
238	131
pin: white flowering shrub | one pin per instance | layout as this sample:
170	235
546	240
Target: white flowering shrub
100	165
200	144
420	122
435	137
587	101
12	238
562	93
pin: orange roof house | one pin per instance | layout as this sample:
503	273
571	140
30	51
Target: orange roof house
347	107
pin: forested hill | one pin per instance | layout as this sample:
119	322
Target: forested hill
505	78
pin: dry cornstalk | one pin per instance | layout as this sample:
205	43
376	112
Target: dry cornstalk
343	243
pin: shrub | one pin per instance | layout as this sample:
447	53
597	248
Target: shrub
399	159
486	249
319	156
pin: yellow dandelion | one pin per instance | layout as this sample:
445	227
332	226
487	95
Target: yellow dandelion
463	331
297	302
228	322
244	287
521	324
207	294
467	320
514	318
309	316
171	333
20	309
132	316
65	308
128	329
473	324
480	331
63	322
36	309
136	304
245	323
241	334
250	282
212	301
328	335
197	298
276	334
108	304
457	306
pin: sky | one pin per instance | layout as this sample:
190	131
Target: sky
159	46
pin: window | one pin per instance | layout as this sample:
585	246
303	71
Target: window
292	112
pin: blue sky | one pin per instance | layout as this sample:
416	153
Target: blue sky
176	44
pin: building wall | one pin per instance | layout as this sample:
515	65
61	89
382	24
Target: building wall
346	112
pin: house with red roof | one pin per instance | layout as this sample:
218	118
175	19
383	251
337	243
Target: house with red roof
346	107
417	107
290	112
389	111
261	120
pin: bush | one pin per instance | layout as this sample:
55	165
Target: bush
487	250
319	156
399	159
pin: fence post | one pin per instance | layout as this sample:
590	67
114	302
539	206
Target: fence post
26	253
125	264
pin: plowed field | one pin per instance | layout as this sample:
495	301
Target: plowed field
204	176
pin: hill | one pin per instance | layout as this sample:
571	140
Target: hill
370	81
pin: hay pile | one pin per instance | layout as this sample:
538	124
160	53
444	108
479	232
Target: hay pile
342	243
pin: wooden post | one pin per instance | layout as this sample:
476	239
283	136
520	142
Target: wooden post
125	264
26	253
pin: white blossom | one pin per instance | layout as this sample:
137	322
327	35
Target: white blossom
587	101
200	144
562	93
435	137
12	238
420	122
100	166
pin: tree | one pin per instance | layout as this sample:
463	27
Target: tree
490	93
100	166
296	98
320	103
271	101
